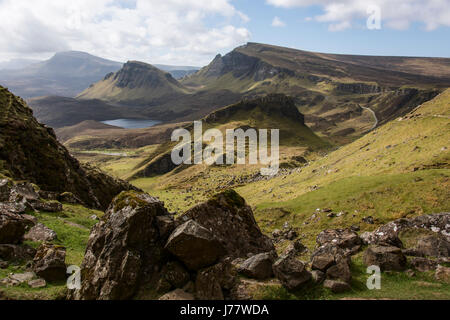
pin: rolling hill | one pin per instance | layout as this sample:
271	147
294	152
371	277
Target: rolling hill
65	74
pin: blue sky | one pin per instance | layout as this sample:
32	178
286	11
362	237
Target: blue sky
315	36
192	32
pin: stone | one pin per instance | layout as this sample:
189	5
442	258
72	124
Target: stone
22	277
423	264
322	262
49	262
37	284
443	274
4	264
124	251
5	189
410	273
388	258
340	271
16	253
12	227
69	197
177	295
258	267
40	233
23	192
368	220
337	286
195	246
175	274
232	222
47	206
345	239
318	276
433	246
166	225
291	272
212	282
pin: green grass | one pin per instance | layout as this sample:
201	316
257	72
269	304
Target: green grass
394	286
384	197
73	237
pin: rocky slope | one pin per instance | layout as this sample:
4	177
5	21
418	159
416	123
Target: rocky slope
137	83
30	151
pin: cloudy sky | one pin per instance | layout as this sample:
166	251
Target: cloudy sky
192	32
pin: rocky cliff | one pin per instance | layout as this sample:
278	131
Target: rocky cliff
30	151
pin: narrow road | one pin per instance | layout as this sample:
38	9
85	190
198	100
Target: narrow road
374	117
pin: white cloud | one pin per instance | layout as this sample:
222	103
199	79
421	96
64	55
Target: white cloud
398	14
277	22
157	31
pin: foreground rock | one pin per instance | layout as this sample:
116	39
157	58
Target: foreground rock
337	286
124	249
291	272
443	274
258	267
177	295
195	246
16	253
12	227
346	239
388	258
49	262
232	222
40	233
211	282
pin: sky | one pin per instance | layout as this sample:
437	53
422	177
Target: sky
192	32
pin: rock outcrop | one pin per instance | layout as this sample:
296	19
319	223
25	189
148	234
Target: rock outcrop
232	222
125	249
49	262
388	258
291	272
29	151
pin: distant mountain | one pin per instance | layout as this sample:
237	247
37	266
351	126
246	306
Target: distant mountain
65	74
16	64
177	72
137	83
339	94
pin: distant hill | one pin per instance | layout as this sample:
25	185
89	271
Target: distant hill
65	74
177	72
61	111
137	83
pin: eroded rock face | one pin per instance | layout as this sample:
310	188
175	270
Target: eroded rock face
388	258
49	262
291	272
124	248
195	246
12	227
232	222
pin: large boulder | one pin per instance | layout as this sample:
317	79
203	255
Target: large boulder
49	262
433	246
125	249
258	267
16	253
212	283
388	258
195	246
232	222
291	272
175	274
12	227
345	239
40	233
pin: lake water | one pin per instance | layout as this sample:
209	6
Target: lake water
132	123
